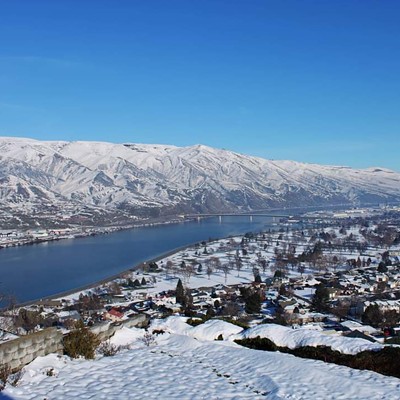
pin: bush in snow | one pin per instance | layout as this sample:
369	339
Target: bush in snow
107	349
148	339
5	372
80	342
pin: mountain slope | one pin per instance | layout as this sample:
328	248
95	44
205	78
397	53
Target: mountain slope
149	180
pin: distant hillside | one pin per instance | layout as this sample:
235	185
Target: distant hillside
138	180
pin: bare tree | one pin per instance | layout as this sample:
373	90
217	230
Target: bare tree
188	271
301	268
114	288
262	262
238	264
342	308
169	265
209	266
225	269
216	262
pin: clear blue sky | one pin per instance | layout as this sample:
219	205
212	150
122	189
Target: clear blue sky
313	81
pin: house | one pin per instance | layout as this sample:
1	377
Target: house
381	278
201	305
64	316
287	305
359	335
114	315
333	292
200	296
356	326
54	304
384	305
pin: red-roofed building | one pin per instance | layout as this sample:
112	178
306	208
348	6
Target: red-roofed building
114	315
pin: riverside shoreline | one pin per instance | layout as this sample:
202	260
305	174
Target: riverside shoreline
60	295
110	271
79	234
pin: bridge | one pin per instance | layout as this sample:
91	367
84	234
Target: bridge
234	215
220	215
248	214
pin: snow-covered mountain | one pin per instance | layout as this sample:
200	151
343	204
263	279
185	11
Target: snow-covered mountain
149	180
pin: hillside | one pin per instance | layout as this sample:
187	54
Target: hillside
120	181
187	363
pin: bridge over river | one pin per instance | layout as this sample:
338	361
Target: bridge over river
250	215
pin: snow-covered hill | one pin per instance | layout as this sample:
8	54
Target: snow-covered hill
149	180
188	363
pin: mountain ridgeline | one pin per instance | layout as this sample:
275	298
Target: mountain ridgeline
139	181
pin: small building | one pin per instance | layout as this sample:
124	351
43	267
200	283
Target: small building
114	315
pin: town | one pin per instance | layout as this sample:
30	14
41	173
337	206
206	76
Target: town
341	279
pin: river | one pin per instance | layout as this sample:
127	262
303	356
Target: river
42	270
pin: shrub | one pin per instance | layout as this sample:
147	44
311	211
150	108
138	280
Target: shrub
80	342
148	339
393	340
107	349
158	332
5	372
195	321
383	361
258	344
16	377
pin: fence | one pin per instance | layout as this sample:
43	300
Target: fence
106	330
19	352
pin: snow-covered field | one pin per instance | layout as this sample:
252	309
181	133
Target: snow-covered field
187	363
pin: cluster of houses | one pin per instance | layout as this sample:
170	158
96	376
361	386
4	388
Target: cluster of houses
284	300
285	296
18	238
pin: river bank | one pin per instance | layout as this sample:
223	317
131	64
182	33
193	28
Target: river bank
39	272
17	238
76	291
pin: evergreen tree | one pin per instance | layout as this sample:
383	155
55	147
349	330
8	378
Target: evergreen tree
282	290
253	303
382	268
372	315
320	301
136	283
180	293
252	300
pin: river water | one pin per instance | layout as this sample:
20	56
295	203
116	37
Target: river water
41	270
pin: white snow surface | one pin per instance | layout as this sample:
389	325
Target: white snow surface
126	336
179	366
210	330
284	336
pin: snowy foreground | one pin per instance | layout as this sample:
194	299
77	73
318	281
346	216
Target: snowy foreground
188	363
